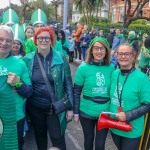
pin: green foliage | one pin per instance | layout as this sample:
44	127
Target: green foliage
140	21
95	19
138	28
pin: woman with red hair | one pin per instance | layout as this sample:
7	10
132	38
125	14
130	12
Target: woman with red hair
57	70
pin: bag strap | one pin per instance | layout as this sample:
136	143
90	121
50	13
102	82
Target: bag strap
49	88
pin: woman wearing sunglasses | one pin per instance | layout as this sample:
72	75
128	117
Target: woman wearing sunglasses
57	70
130	99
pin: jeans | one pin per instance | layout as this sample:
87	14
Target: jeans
124	143
90	132
84	51
20	130
43	122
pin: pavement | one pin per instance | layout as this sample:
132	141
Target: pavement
74	135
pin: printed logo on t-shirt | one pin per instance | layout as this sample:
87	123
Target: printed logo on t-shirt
3	71
1	128
115	99
100	80
100	83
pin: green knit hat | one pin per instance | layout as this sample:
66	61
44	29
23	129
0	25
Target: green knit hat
19	34
38	16
101	40
10	17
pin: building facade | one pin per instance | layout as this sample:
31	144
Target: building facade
117	10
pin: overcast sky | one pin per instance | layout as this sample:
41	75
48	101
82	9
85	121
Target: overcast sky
4	3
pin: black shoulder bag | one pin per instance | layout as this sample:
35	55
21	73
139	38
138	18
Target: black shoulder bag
58	105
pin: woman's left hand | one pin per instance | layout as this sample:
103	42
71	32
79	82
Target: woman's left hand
69	115
121	116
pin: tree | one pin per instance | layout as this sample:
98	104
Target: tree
88	8
135	13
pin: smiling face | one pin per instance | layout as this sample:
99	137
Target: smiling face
125	57
98	51
16	46
6	41
29	33
43	41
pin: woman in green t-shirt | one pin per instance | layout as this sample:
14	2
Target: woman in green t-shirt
130	99
93	80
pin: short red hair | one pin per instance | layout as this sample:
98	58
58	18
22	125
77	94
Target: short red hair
47	29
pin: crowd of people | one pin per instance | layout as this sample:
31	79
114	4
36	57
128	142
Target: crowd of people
33	56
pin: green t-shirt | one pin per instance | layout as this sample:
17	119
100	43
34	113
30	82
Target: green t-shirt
144	60
135	92
96	82
29	46
58	46
17	66
8	128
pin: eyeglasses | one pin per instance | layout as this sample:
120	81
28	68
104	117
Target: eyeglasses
126	54
102	49
40	39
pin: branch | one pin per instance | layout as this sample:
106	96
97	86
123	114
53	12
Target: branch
138	17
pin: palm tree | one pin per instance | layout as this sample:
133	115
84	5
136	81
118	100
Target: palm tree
88	7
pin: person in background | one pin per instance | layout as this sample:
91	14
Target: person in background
92	79
29	32
85	41
18	79
39	105
78	41
111	35
130	99
85	27
145	52
101	33
38	20
133	41
114	60
62	43
67	32
117	40
19	36
71	48
93	33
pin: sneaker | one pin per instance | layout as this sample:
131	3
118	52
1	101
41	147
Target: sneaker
77	59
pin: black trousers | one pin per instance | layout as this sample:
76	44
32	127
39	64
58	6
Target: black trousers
90	132
43	123
124	143
20	130
71	55
79	49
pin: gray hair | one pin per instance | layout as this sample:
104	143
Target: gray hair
7	29
132	32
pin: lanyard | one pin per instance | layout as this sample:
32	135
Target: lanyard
120	95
